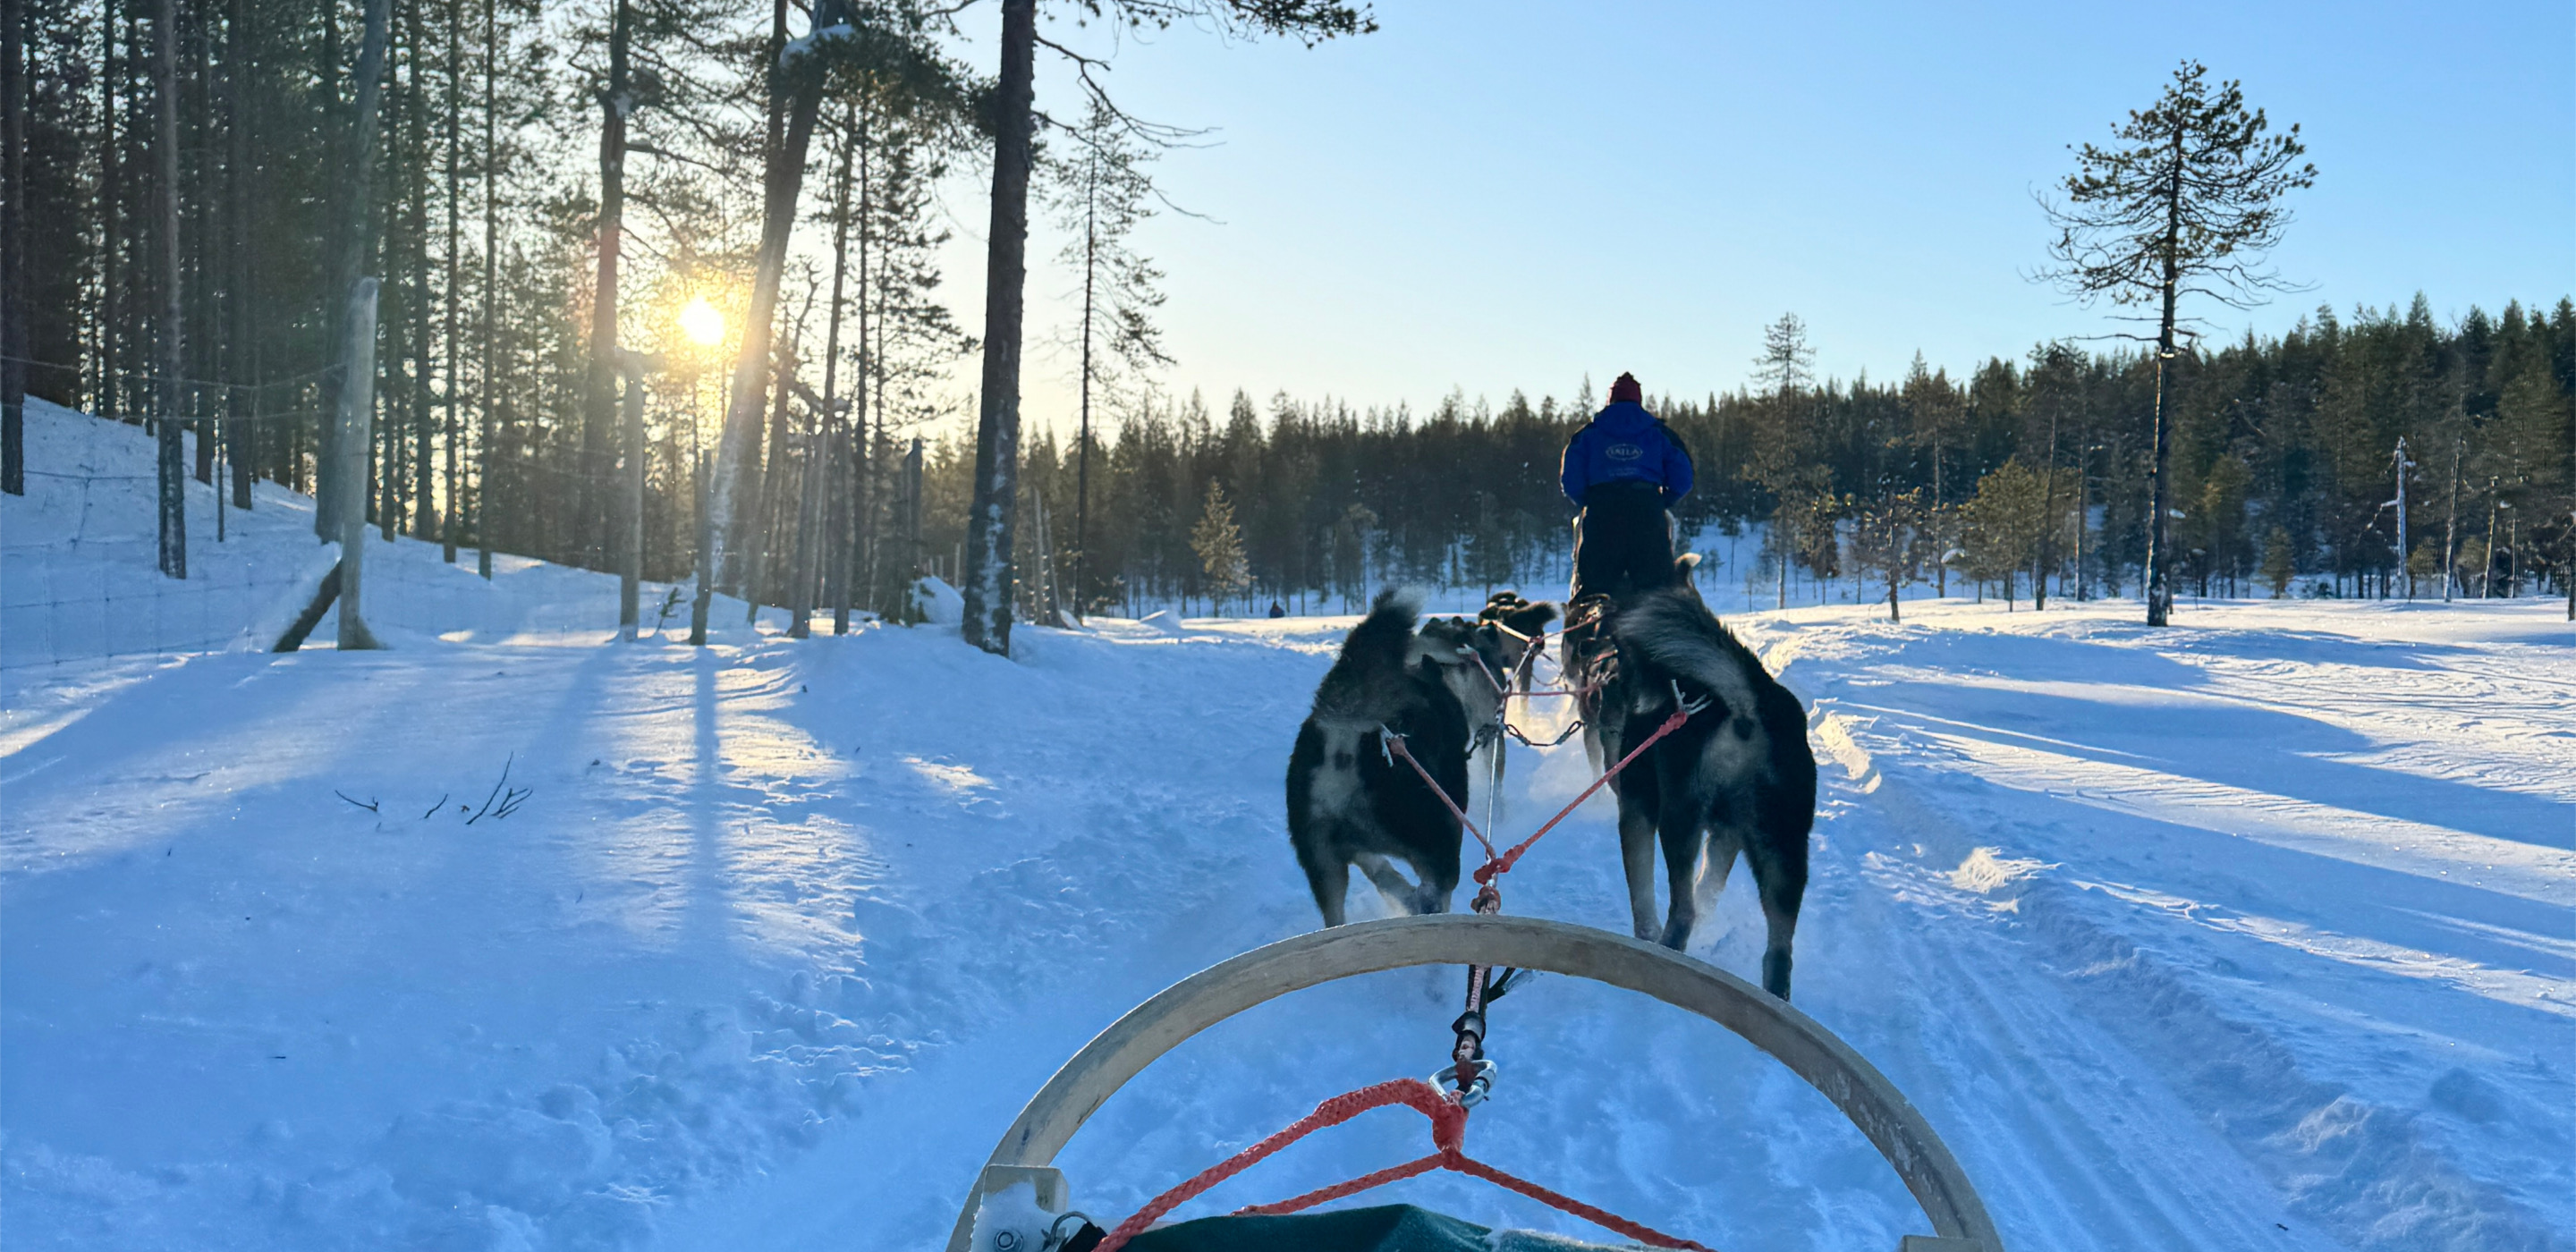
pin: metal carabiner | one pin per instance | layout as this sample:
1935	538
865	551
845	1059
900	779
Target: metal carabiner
1477	1088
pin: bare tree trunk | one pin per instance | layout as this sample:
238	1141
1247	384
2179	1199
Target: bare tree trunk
1082	436
843	523
858	581
2160	473
799	597
2451	526
491	253
13	249
242	435
765	508
2083	515
455	358
111	203
424	352
911	523
171	475
355	211
198	277
810	514
2403	552
599	401
630	563
987	588
349	478
2047	546
1940	559
704	596
736	446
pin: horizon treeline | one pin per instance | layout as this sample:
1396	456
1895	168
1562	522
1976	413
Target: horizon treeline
2283	458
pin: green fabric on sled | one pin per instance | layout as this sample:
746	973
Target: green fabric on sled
1385	1228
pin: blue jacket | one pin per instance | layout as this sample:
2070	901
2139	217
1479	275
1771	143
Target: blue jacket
1626	441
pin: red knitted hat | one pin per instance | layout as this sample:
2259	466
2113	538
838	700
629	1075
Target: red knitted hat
1627	389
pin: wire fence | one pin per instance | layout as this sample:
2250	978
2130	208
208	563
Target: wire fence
80	579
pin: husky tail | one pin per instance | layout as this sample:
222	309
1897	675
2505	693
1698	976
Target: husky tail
1672	631
1373	658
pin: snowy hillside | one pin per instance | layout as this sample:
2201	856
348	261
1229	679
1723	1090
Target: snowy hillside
2250	934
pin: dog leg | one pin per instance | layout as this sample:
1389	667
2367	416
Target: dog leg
1781	874
1724	844
1637	851
1399	892
1439	883
1681	840
1330	878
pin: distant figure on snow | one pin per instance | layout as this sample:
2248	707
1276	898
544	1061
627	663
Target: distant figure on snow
1624	469
1277	609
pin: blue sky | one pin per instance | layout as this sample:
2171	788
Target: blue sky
1513	195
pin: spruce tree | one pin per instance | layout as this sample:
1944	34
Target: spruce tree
1218	543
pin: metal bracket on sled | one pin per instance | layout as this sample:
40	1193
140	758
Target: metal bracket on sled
1046	1180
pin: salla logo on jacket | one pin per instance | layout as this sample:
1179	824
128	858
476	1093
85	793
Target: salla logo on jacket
1623	452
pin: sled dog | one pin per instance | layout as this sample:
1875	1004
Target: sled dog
1737	777
1482	661
1350	802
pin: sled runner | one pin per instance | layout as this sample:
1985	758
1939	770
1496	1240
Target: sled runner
1026	1152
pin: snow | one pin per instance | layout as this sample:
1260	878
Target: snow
936	602
1010	1220
2252	933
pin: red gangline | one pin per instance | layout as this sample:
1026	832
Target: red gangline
1495	866
1448	1132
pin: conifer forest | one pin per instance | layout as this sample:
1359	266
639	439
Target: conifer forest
565	203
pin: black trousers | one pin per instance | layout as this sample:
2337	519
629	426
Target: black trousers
1623	539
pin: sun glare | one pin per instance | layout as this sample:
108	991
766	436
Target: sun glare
702	323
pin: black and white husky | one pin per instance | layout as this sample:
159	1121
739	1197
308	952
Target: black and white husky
1350	802
1737	777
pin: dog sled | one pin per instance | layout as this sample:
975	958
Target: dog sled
1482	941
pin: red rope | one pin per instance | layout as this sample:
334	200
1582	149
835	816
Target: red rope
1448	1133
1448	1122
1496	866
1599	1217
1395	744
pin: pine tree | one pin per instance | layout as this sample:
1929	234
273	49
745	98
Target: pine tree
2187	207
1780	464
1100	195
1890	538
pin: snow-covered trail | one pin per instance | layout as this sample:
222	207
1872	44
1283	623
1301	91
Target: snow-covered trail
2305	872
787	931
2255	933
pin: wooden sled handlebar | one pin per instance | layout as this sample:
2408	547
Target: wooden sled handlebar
1220	991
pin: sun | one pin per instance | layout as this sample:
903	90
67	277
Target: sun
702	323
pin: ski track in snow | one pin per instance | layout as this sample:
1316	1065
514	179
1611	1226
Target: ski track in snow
2254	933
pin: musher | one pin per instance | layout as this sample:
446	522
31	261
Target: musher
1624	470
